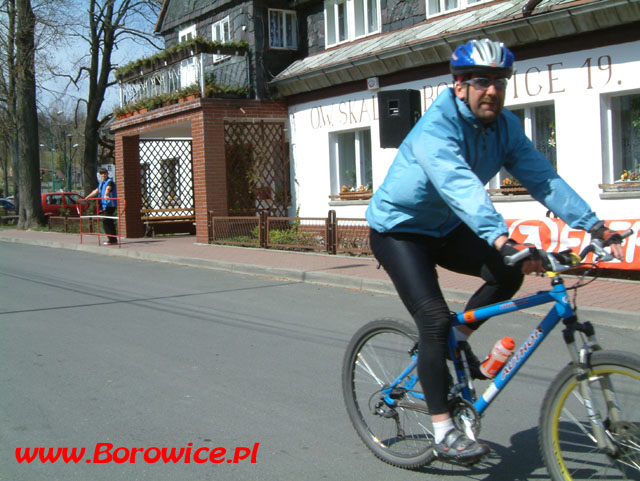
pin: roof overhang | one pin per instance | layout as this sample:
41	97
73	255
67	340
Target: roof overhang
432	42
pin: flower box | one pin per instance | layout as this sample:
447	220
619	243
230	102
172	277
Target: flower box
622	186
513	190
351	196
187	97
509	190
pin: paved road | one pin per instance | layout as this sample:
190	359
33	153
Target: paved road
97	350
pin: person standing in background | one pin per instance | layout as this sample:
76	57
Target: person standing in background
106	193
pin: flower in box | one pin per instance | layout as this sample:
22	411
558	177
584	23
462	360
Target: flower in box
630	175
510	182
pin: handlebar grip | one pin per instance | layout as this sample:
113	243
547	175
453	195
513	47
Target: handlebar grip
626	234
512	260
597	245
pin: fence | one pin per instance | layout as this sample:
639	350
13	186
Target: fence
330	234
66	224
8	219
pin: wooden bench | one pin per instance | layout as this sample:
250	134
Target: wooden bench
151	217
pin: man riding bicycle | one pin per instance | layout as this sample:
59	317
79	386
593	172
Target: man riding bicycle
433	209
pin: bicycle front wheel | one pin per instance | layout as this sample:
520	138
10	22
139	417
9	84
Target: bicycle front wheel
568	445
377	354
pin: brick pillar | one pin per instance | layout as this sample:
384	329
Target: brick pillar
128	184
209	168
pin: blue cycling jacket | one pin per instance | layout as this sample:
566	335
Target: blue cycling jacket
437	180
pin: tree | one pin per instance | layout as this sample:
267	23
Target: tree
110	22
27	118
8	128
51	22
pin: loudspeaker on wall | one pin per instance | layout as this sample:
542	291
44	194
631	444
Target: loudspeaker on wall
398	112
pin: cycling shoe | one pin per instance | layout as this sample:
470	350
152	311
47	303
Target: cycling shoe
456	446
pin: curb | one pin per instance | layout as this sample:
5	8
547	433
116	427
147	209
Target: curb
600	316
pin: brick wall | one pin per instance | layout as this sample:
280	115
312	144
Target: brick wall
206	117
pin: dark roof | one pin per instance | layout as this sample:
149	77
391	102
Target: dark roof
180	12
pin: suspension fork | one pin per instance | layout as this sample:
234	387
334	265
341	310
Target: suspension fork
581	359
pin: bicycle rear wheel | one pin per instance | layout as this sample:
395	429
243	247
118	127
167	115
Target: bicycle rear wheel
568	447
377	354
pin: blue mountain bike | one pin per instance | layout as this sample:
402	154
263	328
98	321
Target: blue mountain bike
589	426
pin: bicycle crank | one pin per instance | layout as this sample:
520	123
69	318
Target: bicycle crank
465	417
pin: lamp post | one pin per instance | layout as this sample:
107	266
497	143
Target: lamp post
42	146
53	168
68	160
67	157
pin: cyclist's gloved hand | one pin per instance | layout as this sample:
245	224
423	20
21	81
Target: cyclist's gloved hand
533	263
608	236
511	247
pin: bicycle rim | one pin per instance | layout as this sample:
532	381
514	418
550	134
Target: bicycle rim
377	354
568	446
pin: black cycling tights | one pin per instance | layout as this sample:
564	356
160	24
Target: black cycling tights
410	261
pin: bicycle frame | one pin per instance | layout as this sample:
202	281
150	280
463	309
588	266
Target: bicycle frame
561	310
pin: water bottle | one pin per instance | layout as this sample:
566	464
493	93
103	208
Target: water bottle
498	356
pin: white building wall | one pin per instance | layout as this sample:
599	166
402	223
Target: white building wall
579	84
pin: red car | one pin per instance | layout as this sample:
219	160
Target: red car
54	202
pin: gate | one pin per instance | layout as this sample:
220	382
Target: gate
166	177
257	168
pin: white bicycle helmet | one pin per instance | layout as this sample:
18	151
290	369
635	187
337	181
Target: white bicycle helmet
482	56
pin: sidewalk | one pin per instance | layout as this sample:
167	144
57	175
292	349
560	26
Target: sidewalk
607	302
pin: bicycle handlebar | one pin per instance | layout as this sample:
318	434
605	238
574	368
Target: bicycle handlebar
567	259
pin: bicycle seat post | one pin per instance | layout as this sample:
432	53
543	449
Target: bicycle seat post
461	365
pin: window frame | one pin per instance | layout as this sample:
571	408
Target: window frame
530	131
347	21
459	5
216	58
183	34
283	15
335	159
612	160
188	65
170	176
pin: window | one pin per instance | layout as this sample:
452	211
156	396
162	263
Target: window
144	181
283	29
220	32
55	199
188	65
350	160
437	7
169	187
624	139
539	125
72	198
347	20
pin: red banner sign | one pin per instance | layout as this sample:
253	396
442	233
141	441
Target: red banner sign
554	235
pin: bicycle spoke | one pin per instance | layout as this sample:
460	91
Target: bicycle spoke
362	363
570	447
400	433
577	423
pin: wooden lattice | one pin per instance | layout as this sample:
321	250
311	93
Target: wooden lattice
257	167
166	175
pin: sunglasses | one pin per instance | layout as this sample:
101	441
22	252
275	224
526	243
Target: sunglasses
483	83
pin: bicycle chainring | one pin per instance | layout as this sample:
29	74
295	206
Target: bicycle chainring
465	417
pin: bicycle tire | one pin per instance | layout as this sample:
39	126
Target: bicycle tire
376	355
567	448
